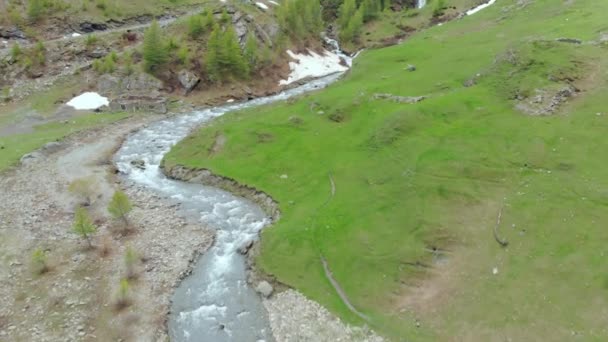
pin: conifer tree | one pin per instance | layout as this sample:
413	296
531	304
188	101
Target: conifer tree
251	50
213	54
155	53
83	225
234	62
120	207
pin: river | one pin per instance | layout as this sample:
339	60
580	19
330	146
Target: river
214	303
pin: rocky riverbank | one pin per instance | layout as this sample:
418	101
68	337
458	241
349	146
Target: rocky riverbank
76	299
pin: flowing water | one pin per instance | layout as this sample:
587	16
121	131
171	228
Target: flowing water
215	302
421	3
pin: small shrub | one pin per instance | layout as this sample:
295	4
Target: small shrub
183	55
84	188
131	259
122	298
195	26
39	262
16	51
83	225
101	4
439	8
120	207
91	40
338	116
35	9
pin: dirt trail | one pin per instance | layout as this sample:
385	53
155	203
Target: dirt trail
75	300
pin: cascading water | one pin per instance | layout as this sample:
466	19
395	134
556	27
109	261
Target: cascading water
421	3
215	302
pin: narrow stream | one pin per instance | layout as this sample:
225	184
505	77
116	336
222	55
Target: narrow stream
214	303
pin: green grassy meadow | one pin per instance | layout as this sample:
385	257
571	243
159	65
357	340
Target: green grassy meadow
13	147
409	232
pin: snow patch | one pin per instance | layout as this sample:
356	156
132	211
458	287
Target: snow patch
313	65
480	7
88	101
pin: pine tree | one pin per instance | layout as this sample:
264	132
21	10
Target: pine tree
213	52
195	26
34	10
83	225
120	207
251	50
347	11
209	21
154	52
233	61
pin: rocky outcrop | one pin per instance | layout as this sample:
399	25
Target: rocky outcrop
188	80
139	104
12	33
546	101
135	84
88	27
399	99
206	177
137	92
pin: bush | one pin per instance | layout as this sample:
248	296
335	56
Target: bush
35	9
122	298
120	207
83	225
91	40
16	51
195	26
439	8
39	261
84	188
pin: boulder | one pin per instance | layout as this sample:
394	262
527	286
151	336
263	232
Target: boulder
264	288
244	249
89	27
30	158
98	52
188	80
133	85
140	164
411	68
11	33
52	147
139	104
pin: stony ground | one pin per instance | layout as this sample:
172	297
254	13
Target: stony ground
76	300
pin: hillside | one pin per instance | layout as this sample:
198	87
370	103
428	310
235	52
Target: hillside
463	199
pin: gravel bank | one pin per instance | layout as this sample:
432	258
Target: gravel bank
294	318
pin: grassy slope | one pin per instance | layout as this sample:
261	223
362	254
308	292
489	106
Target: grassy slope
13	147
435	174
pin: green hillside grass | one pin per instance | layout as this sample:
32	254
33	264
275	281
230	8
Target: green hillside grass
409	233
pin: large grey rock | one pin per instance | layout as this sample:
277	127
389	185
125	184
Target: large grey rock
264	288
188	80
11	33
400	99
30	158
139	104
138	84
52	147
98	52
91	27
